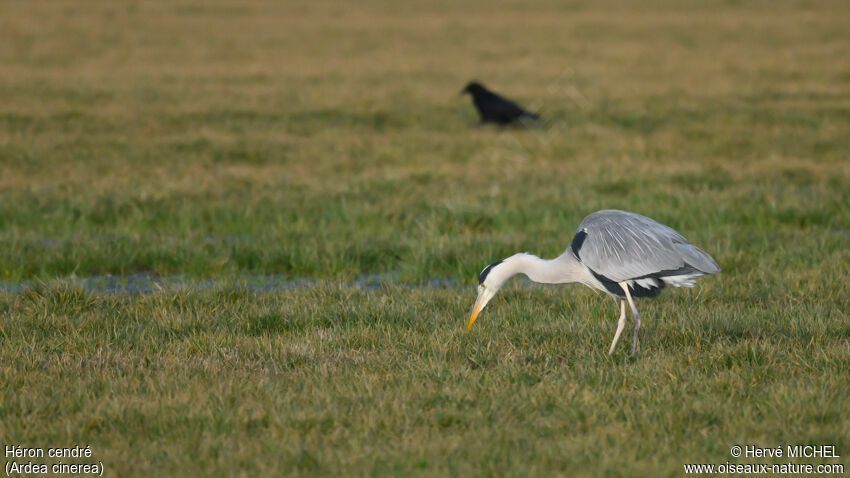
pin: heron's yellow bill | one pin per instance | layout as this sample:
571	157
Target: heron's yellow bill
479	304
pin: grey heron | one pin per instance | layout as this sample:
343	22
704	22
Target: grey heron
622	253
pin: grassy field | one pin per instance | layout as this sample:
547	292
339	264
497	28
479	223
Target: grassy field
220	142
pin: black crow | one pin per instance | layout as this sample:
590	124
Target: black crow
492	108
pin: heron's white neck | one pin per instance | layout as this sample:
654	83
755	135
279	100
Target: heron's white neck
564	268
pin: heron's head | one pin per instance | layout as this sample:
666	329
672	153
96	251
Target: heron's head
489	282
472	88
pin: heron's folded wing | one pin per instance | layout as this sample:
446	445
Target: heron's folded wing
621	246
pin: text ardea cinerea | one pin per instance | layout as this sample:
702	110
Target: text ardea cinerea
622	253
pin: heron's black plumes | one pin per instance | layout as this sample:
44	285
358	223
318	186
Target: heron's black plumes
635	289
483	276
578	240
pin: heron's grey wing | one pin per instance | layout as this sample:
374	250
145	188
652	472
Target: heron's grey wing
621	245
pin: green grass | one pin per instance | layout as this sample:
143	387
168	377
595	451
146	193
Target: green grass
218	141
338	380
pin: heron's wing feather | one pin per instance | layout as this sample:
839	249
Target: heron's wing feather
698	258
622	245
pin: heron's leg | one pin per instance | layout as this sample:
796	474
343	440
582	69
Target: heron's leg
620	324
625	286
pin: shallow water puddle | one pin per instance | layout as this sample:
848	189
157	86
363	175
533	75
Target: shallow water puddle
146	282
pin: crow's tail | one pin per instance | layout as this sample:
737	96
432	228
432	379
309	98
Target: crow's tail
529	114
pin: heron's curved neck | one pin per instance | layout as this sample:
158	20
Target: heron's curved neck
564	268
